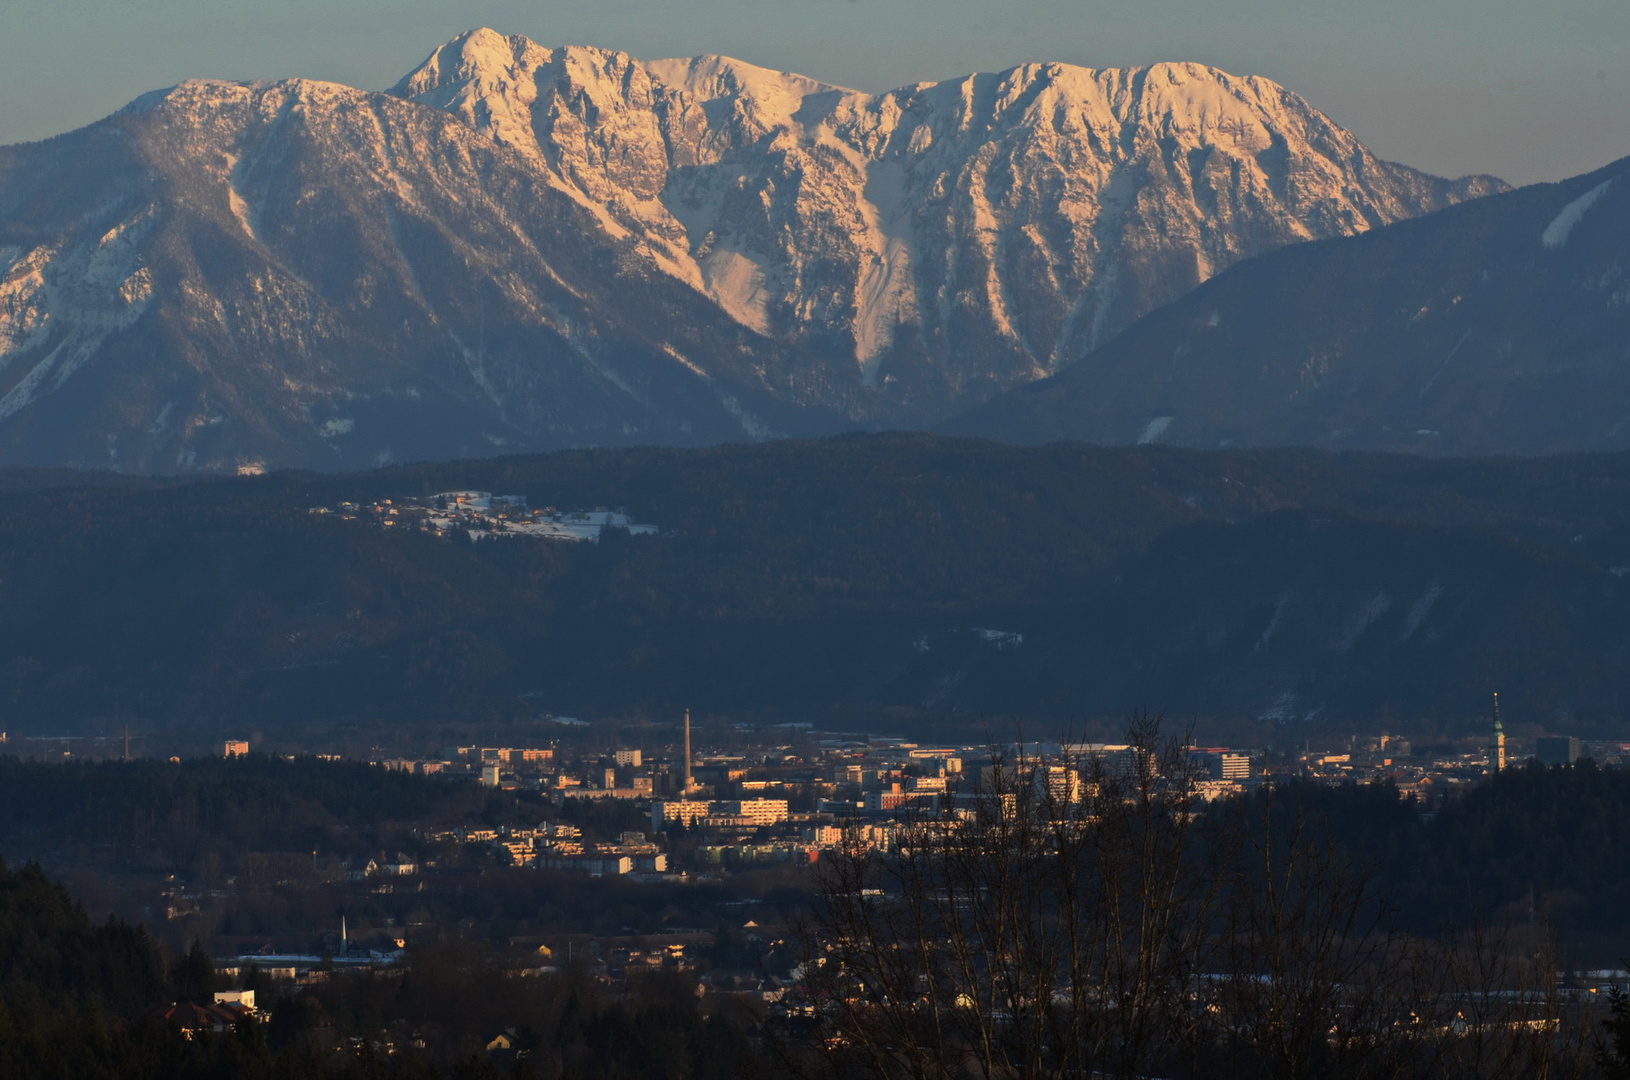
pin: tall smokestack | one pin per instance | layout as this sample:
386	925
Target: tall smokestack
687	753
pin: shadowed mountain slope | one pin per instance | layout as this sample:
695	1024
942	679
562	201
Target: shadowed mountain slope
1500	326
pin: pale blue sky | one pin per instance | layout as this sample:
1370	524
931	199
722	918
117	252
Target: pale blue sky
1526	90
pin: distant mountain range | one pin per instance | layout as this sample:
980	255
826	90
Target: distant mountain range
1501	326
527	248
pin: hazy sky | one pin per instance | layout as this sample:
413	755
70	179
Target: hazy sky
1523	89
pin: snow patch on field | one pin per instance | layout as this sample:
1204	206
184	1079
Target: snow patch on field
1154	429
235	200
1369	611
686	362
1280	604
886	289
736	282
1419	610
751	425
1561	227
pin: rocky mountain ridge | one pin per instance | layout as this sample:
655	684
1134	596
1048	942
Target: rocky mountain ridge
524	248
300	273
948	239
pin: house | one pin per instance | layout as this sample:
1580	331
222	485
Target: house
190	1018
511	1044
402	867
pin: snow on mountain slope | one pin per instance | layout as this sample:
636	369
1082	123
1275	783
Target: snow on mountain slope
523	247
945	240
1497	327
304	274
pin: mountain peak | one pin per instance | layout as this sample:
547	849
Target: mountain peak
712	75
190	94
479	55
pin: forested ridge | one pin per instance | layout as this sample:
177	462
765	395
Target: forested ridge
150	816
1540	846
279	851
815	580
80	1001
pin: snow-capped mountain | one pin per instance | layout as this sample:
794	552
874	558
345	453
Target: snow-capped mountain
946	239
300	273
522	248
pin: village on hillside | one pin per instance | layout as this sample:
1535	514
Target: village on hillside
481	514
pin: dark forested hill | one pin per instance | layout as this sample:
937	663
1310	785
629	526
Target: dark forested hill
1534	844
805	580
82	1000
63	979
150	816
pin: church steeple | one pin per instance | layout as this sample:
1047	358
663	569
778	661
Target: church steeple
1497	743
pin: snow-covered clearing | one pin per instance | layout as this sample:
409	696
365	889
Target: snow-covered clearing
1561	227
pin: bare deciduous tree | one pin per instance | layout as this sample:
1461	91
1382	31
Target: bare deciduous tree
1087	915
1048	924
